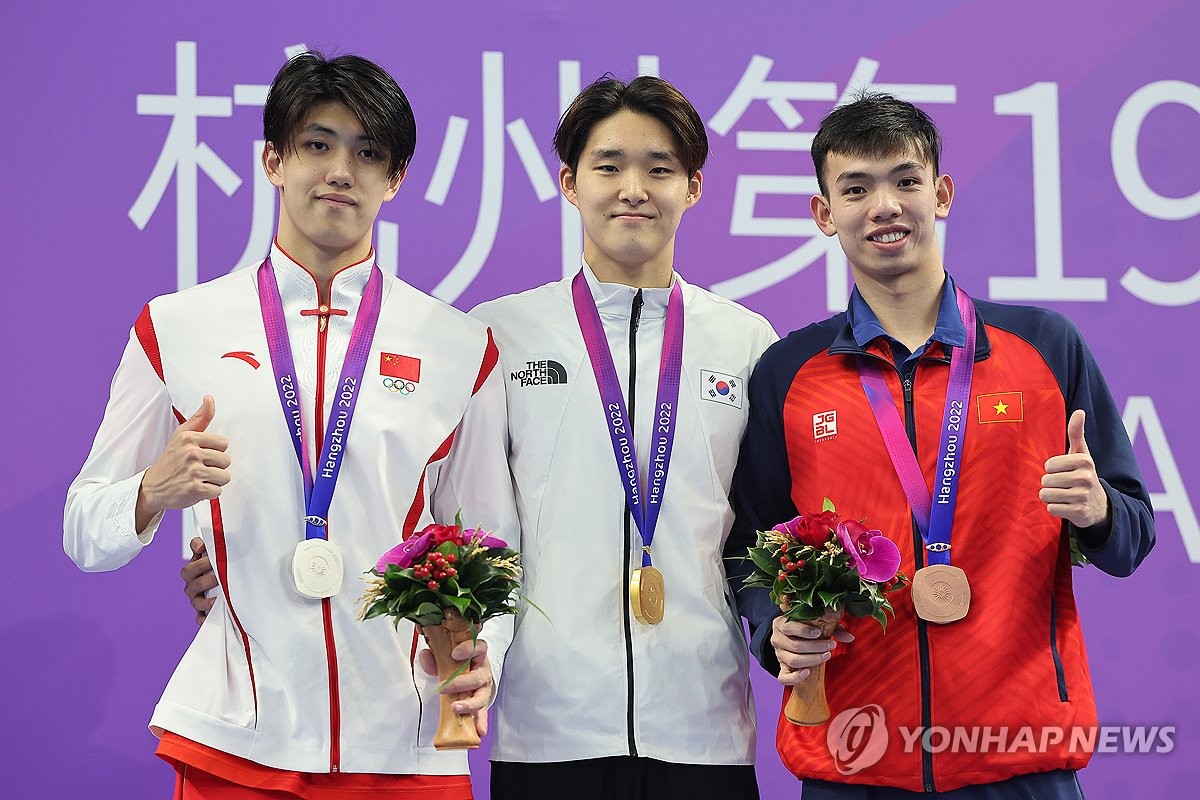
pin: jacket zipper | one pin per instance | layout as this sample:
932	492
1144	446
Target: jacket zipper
635	318
335	717
910	427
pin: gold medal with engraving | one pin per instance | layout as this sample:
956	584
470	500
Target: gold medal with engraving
647	595
941	593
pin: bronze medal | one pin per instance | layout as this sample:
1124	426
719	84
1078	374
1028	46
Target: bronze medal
941	593
647	595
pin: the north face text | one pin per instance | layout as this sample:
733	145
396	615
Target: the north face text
540	373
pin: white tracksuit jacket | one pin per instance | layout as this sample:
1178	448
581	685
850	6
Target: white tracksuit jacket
587	680
256	681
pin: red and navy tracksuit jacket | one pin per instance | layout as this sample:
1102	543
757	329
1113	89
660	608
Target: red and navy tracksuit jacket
1017	660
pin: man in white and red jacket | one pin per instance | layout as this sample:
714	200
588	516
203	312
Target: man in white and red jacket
312	371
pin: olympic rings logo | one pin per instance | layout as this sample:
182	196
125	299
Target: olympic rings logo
398	385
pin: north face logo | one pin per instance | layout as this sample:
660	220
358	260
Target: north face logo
540	373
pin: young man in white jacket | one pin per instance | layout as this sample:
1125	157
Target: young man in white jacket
293	366
626	406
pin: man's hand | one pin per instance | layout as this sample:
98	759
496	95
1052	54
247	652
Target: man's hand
799	648
1071	488
193	467
198	578
475	683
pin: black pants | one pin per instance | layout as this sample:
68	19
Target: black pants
1056	785
621	778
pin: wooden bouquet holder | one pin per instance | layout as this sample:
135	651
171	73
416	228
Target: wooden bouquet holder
454	731
807	704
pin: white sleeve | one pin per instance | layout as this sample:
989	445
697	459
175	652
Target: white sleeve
476	479
98	521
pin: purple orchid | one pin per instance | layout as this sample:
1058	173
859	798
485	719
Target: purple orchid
482	537
405	554
875	556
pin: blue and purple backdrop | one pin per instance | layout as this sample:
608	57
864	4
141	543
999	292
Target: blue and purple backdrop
132	136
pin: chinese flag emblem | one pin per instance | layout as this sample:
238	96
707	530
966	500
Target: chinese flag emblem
406	368
1000	407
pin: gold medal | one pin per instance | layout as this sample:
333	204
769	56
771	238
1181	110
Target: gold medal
941	593
647	595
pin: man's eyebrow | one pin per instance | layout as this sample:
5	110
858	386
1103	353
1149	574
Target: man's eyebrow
317	127
852	175
907	166
603	153
859	175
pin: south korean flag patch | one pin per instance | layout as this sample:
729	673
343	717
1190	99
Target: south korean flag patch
717	387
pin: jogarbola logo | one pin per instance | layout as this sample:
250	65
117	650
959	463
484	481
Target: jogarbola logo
539	373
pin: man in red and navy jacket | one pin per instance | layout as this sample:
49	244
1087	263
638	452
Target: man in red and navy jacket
1011	677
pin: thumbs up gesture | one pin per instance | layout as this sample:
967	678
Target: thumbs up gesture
1071	489
193	467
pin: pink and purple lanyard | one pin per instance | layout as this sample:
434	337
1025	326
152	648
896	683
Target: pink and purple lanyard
620	429
934	517
318	491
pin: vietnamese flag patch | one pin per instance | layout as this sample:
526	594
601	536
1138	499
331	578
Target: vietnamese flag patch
1000	407
394	365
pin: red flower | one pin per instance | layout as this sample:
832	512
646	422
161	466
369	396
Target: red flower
443	533
813	530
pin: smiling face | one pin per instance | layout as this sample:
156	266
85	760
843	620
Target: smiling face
882	209
631	190
331	185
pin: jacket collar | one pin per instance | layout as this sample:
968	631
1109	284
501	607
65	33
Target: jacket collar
297	284
616	299
863	335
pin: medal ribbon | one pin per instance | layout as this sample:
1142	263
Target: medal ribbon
934	516
620	431
318	490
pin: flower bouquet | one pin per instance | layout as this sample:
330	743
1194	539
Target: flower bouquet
446	580
819	567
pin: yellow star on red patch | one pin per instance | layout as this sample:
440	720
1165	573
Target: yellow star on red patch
1001	408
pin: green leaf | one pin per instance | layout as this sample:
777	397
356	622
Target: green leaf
460	603
827	505
763	560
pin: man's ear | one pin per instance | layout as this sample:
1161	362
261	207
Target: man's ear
566	182
394	183
272	162
819	206
945	196
695	188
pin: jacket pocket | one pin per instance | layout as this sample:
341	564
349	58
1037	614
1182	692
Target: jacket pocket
1059	675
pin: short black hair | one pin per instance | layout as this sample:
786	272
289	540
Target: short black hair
874	125
646	95
372	95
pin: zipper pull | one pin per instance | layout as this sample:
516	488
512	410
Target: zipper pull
635	315
908	386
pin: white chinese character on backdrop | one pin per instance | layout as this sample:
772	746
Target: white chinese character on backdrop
779	96
491	191
182	155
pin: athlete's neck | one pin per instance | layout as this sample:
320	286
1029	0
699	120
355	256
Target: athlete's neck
906	306
649	275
